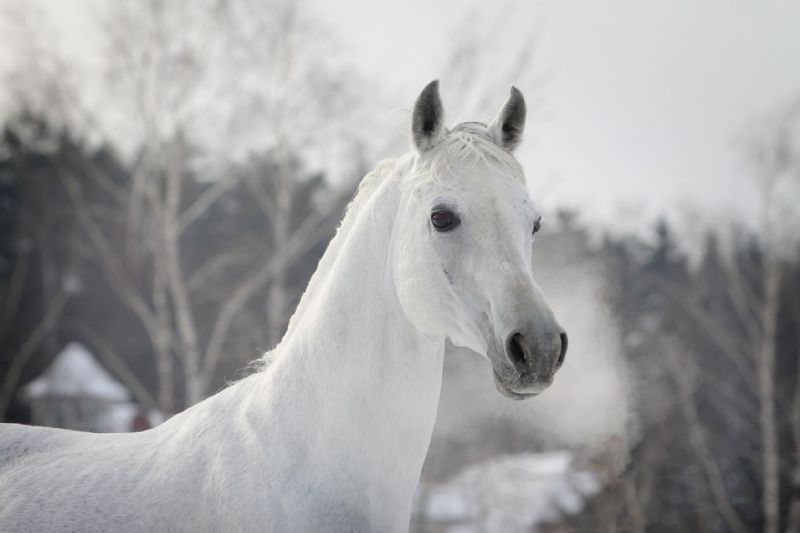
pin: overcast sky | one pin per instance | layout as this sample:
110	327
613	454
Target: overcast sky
640	103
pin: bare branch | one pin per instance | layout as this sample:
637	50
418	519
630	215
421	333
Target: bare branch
720	337
110	263
206	200
108	354
303	240
98	178
697	439
13	291
212	267
766	387
176	286
29	347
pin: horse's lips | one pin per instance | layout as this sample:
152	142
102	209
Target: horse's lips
505	390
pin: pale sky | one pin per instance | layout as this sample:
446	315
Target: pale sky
641	102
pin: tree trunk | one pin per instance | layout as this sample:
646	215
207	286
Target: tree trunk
176	284
277	300
766	388
163	340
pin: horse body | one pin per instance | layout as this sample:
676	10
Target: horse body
332	435
72	481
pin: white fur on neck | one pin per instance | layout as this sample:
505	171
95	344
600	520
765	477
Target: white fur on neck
362	373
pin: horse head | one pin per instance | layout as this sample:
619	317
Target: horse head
465	236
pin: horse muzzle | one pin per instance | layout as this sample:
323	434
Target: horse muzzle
531	360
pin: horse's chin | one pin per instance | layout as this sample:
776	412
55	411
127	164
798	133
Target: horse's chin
508	392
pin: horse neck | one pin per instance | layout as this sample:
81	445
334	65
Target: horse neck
353	376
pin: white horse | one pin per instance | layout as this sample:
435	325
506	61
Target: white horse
332	434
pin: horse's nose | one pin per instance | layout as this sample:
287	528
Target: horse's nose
542	357
516	352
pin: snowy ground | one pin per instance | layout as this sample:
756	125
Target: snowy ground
510	494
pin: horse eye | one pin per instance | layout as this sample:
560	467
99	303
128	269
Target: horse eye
444	220
537	225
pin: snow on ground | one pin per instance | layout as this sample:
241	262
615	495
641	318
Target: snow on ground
508	493
75	373
75	392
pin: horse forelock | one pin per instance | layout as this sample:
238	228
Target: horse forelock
468	145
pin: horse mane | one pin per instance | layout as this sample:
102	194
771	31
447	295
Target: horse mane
368	185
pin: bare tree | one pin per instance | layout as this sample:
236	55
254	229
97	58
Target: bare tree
748	338
186	131
776	155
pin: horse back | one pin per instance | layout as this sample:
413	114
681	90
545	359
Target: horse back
19	442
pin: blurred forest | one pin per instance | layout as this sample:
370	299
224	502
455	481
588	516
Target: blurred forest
174	236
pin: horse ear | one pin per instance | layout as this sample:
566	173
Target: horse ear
427	119
508	126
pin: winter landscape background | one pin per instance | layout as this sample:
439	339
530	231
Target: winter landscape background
170	173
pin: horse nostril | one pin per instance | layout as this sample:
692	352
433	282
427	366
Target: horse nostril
516	353
563	353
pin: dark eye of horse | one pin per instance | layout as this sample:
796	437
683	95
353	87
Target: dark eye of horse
537	225
444	220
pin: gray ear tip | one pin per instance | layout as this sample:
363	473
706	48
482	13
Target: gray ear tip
510	122
426	120
430	96
432	86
